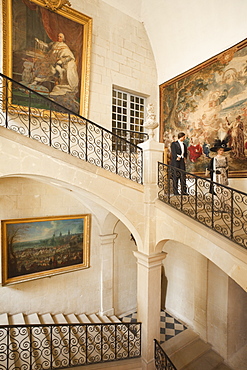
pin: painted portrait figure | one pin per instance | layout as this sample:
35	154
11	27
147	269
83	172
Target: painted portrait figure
47	53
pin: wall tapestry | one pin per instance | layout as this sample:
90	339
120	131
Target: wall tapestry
47	49
40	247
209	102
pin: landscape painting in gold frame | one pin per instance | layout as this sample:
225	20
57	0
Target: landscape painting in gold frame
207	102
47	49
41	247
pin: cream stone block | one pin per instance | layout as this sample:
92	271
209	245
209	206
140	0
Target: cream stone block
237	318
125	70
28	201
127	53
128	45
12	187
97	78
119	58
217	309
7	203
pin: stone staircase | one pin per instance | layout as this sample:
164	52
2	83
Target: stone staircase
36	319
47	345
188	352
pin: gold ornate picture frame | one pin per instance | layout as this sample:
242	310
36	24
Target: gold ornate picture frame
47	48
207	102
33	248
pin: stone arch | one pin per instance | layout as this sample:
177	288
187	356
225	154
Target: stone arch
110	213
100	187
233	266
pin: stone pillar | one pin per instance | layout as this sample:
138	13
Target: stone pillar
107	255
148	260
148	303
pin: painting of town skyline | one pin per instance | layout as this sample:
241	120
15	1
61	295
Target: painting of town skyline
34	248
209	102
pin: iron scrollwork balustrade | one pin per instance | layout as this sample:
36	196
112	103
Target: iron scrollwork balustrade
216	206
64	130
135	137
37	347
162	361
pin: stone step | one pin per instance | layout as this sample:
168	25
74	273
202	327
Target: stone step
188	352
17	319
46	318
32	319
132	364
72	319
223	366
115	319
105	319
185	348
83	319
208	361
179	341
94	318
60	319
4	320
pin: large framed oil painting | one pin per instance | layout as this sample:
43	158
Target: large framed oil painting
41	247
209	102
47	49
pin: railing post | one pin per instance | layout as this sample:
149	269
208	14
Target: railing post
115	347
8	344
168	171
29	114
212	206
50	130
196	199
232	214
6	103
102	149
86	152
30	356
70	328
142	167
51	327
69	134
116	137
128	340
129	161
86	344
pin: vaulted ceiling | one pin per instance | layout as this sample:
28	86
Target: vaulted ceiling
184	33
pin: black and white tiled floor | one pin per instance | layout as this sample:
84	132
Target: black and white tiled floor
169	326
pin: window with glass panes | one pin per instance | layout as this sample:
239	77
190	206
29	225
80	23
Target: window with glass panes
128	112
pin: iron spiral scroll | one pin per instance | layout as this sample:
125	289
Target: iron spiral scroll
219	207
37	347
62	129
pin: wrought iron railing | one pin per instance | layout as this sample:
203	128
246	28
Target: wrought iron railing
37	347
135	137
216	206
162	361
33	115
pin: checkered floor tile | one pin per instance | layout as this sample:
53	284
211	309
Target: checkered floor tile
169	326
